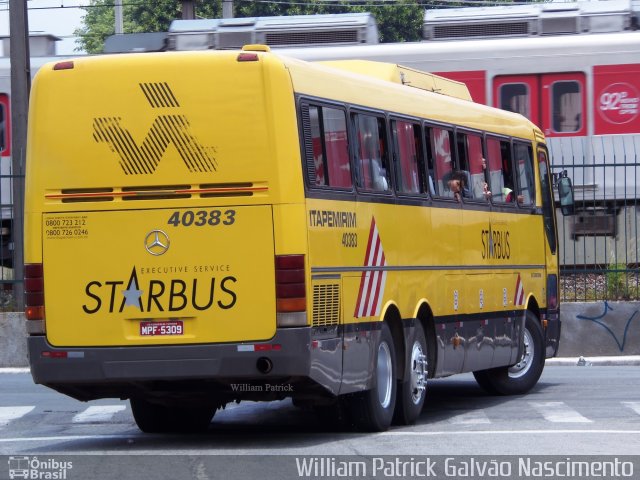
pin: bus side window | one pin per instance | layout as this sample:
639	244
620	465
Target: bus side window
524	163
546	192
407	156
372	159
508	191
471	163
330	148
440	140
431	173
499	168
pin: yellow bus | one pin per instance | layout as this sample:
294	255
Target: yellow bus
209	227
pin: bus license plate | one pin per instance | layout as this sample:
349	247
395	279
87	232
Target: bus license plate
150	329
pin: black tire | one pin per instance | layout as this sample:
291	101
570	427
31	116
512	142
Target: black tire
156	418
372	410
523	376
412	392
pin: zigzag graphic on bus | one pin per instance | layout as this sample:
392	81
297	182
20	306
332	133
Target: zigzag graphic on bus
140	159
373	281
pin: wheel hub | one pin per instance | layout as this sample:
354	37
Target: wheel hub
419	369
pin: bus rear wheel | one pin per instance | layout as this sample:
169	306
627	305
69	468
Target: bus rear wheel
372	410
521	377
156	418
413	390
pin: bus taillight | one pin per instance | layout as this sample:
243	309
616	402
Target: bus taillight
291	297
34	297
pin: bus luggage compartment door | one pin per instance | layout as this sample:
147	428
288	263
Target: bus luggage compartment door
164	276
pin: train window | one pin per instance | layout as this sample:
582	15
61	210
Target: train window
408	156
566	106
440	141
523	155
372	156
514	97
330	148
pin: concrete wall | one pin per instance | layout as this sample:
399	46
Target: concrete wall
13	347
588	329
600	329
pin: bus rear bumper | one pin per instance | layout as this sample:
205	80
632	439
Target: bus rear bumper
100	372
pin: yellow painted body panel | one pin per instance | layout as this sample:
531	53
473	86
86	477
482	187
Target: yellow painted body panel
103	282
404	76
441	256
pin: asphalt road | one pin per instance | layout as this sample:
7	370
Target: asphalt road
572	411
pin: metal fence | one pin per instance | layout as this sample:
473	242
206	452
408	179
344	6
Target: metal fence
10	286
599	244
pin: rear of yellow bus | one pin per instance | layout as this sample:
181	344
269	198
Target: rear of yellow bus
157	263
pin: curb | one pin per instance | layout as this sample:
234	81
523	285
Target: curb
622	360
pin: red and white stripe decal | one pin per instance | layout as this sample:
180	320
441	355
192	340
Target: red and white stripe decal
518	299
372	282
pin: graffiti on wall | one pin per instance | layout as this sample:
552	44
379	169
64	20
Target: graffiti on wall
600	321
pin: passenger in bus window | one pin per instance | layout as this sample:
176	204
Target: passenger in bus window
480	186
459	185
379	176
375	175
509	196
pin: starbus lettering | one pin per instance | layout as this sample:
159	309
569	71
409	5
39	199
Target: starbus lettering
154	295
495	244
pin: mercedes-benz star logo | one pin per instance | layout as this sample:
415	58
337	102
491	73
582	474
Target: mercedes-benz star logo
156	242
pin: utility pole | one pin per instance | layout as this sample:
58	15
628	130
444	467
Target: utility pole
119	27
188	10
20	86
227	8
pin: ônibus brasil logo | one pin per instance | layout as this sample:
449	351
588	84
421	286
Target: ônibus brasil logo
38	468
